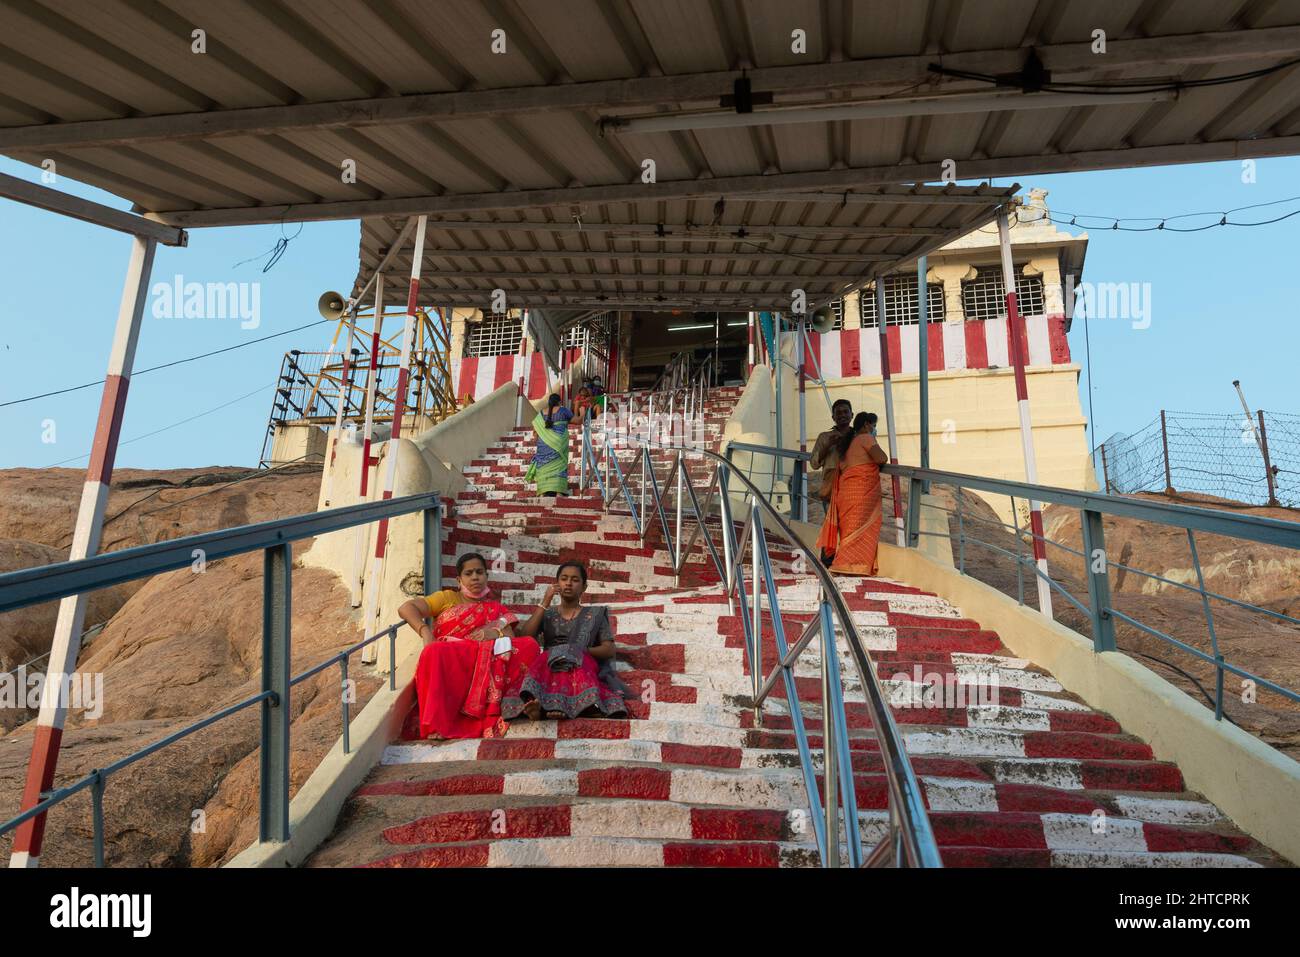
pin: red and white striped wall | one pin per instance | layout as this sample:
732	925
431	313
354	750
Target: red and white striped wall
480	375
981	344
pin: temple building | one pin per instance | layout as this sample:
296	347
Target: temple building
974	426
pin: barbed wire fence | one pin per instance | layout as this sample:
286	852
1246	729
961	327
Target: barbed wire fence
1254	460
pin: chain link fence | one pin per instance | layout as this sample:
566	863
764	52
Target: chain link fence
1253	460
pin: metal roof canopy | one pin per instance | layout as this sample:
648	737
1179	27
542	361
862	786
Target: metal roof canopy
759	250
554	129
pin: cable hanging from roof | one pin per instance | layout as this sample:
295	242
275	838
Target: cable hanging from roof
1161	223
1032	78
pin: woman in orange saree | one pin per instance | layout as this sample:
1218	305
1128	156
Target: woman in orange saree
851	531
470	656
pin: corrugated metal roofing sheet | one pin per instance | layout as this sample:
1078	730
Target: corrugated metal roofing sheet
258	127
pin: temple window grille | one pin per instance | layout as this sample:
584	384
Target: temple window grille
494	336
837	307
984	297
576	337
900	302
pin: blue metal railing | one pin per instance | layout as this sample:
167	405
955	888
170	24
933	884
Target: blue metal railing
32	586
1092	506
909	839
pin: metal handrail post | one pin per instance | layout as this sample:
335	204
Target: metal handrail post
791	688
347	718
830	764
276	618
914	513
677	537
582	454
644	462
392	657
756	653
1020	562
699	527
728	537
659	506
595	470
627	496
1209	623
848	790
1094	549
97	813
432	551
961	535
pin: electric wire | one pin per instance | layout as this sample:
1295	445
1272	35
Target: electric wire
165	428
166	365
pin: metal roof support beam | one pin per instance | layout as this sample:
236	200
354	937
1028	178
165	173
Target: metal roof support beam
722	186
1066	61
932	197
988	216
54	201
655	255
588	299
682	232
667	278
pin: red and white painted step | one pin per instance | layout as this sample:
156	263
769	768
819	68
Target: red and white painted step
1015	771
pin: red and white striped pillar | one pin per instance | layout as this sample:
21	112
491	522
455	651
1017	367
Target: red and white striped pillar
801	340
1016	331
372	384
85	542
345	385
523	369
896	485
369	653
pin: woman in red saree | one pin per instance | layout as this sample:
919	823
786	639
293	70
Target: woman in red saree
851	531
470	656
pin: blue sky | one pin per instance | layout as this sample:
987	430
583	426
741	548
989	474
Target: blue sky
1221	309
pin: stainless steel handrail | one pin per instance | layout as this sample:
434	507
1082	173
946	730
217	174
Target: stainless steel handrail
909	840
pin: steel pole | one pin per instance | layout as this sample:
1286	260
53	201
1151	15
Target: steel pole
345	391
923	363
86	533
1268	466
887	384
797	486
372	385
277	618
370	652
1164	444
1016	329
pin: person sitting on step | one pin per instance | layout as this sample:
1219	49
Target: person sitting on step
584	406
470	655
574	676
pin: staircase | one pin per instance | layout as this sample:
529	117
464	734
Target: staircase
1037	779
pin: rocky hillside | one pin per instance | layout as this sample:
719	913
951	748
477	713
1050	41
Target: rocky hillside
171	649
1263	575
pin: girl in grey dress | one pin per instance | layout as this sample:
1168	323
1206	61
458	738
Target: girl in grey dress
575	674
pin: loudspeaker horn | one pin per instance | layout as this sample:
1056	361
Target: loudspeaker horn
823	320
330	305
